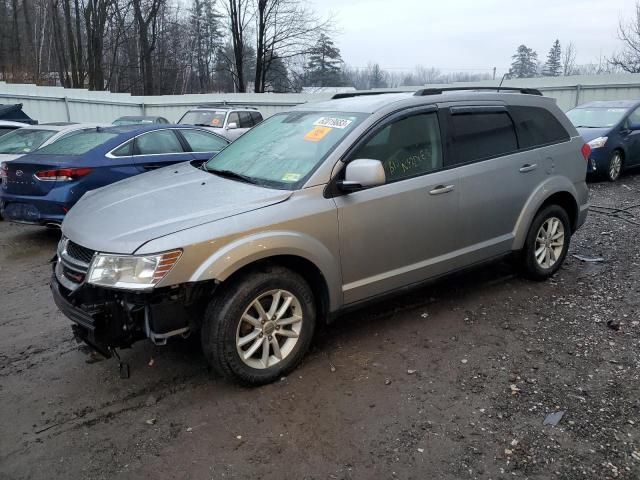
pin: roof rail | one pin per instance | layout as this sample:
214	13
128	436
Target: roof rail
438	91
365	93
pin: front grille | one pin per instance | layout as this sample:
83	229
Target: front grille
79	253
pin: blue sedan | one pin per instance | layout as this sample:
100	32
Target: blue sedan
612	130
41	187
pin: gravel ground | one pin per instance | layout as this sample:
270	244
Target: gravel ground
453	381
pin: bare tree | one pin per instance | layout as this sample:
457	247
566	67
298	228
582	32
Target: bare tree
569	59
629	32
284	29
146	15
239	17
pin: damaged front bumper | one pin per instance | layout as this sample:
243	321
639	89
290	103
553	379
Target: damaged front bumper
106	319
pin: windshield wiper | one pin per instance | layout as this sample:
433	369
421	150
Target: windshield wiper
203	125
586	126
234	175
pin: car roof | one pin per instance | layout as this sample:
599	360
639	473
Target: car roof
137	117
223	107
372	103
611	104
61	127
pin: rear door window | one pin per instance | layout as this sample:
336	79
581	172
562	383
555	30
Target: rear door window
200	141
537	127
479	135
245	120
160	141
257	117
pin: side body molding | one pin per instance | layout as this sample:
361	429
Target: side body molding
553	185
243	251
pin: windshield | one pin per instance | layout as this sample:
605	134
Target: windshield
78	143
599	117
284	150
204	118
24	140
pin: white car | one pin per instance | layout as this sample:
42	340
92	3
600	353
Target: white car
32	137
7	126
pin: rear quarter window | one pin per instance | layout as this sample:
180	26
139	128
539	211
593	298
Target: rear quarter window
537	127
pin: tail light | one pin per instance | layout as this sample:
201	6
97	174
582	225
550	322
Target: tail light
62	174
4	170
586	151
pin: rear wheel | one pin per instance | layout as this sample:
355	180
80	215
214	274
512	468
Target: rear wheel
615	166
547	243
260	326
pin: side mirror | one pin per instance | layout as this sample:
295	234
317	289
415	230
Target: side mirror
232	126
634	126
362	173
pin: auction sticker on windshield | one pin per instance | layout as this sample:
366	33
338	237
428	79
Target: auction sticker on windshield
317	134
291	177
332	122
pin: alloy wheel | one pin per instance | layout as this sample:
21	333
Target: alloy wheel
269	329
549	242
615	166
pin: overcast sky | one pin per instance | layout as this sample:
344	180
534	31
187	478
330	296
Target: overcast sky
471	35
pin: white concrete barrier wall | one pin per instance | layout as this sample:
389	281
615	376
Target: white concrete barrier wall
56	104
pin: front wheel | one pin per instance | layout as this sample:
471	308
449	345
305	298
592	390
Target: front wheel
260	326
547	243
615	166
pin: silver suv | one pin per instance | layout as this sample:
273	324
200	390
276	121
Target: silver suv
324	207
230	122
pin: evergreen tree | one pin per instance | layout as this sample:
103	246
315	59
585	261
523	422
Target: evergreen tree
277	76
325	64
553	66
525	63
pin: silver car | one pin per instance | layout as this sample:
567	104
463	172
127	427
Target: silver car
230	122
321	208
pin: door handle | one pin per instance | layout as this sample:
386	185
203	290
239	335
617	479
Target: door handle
440	189
528	167
152	167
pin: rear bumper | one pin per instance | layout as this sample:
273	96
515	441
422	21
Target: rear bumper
32	210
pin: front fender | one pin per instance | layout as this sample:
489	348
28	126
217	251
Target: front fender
246	250
551	186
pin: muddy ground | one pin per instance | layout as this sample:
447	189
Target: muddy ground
452	381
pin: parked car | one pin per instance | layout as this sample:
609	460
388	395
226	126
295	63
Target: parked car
7	126
612	130
230	122
41	187
316	210
25	140
140	120
14	113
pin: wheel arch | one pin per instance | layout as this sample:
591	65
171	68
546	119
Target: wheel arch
554	193
300	253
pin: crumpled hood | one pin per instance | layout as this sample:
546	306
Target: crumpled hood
7	157
120	218
589	134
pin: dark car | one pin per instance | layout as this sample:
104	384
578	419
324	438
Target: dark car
612	130
140	120
41	187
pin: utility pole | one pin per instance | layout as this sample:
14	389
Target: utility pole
494	73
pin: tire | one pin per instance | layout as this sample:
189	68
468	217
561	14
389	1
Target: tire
547	262
226	326
614	168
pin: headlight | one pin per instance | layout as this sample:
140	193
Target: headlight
131	271
598	142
